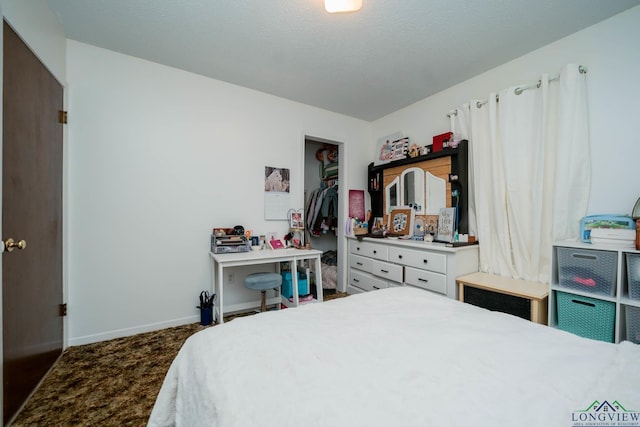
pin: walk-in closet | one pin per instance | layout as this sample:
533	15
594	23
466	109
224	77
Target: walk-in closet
321	186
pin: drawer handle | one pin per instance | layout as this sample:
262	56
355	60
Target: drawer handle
375	252
384	271
358	248
356	280
425	261
359	263
375	287
583	302
591	257
423	280
400	256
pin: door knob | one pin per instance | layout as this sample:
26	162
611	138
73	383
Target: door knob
11	244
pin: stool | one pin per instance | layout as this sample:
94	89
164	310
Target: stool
262	282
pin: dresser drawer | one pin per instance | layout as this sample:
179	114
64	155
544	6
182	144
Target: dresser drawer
419	259
360	263
426	280
365	281
368	249
387	270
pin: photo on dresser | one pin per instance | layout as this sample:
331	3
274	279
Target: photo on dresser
401	222
446	225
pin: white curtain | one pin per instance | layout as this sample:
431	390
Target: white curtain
530	168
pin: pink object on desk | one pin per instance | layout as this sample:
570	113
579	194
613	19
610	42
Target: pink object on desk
276	244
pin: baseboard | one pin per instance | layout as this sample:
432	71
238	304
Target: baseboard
105	336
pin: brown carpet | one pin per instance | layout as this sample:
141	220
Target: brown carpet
110	383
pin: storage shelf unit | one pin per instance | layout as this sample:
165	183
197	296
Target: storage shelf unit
611	258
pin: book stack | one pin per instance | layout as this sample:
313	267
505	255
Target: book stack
615	237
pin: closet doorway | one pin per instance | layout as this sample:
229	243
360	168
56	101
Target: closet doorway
323	210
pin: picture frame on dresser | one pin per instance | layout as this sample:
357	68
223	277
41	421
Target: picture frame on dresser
401	222
446	225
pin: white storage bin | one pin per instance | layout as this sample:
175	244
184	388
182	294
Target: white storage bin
588	270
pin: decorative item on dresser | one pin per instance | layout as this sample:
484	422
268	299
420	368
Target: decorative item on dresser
382	263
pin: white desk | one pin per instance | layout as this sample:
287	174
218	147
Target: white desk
265	256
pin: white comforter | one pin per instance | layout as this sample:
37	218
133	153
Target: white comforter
394	357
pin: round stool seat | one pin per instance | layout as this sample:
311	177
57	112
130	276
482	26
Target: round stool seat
263	281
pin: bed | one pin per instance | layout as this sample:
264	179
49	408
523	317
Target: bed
395	357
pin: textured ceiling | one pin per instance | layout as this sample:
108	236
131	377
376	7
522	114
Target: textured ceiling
388	55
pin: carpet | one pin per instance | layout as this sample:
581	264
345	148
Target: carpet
109	383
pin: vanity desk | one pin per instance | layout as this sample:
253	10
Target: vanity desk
268	256
376	263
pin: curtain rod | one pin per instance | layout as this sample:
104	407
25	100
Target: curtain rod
518	90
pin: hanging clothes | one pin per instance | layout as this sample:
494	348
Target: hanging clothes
322	210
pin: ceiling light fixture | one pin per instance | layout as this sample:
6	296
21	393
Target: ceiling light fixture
338	6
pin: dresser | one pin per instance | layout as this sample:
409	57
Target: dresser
382	263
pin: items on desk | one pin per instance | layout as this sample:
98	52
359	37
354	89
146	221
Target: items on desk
255	243
294	238
226	240
276	244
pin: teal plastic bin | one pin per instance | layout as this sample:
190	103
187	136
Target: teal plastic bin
587	317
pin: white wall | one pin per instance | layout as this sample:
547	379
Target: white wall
40	29
158	157
610	52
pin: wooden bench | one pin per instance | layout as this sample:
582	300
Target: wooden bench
498	293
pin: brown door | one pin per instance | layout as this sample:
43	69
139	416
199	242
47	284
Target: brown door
31	211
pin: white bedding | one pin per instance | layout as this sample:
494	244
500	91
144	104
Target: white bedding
394	357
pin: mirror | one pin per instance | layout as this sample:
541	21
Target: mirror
413	189
436	194
392	191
